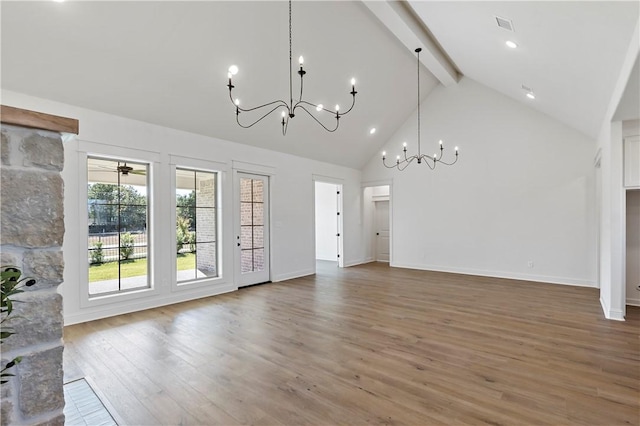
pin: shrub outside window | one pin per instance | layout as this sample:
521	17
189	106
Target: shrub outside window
117	208
196	225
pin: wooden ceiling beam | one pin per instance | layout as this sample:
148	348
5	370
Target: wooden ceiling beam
400	18
38	120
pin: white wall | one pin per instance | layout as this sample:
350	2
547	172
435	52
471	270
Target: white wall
611	235
522	191
292	233
380	192
326	221
612	199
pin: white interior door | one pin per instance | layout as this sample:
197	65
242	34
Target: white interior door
326	206
252	238
382	230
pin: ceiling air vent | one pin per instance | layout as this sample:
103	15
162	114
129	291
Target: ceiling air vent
504	23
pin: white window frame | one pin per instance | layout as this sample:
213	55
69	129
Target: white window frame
188	163
92	149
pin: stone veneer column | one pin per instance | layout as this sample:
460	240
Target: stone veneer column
31	235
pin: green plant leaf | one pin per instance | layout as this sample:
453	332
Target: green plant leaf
8	305
4	334
11	285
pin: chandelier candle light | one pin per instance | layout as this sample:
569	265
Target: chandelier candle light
430	161
288	109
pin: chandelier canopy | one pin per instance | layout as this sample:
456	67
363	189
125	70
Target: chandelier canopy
288	109
430	161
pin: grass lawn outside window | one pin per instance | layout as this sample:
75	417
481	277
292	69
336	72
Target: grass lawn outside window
135	267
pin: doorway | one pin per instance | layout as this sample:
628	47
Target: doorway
252	230
377	211
632	274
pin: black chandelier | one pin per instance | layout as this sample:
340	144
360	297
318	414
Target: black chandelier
289	109
430	161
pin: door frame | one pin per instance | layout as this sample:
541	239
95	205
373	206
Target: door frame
368	210
331	181
597	164
259	170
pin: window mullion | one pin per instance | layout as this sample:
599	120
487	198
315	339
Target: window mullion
118	210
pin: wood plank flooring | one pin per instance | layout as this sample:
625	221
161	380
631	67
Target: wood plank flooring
368	345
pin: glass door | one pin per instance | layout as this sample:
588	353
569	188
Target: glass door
252	239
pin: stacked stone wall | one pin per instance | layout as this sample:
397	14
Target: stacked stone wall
31	236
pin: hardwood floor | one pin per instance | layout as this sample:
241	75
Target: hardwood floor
368	344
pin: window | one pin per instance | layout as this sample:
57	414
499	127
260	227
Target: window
117	207
252	220
196	225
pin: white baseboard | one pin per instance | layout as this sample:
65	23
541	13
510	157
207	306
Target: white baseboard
142	304
609	313
334	259
357	262
604	307
500	274
292	275
633	301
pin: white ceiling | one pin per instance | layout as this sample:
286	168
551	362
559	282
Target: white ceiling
166	62
570	52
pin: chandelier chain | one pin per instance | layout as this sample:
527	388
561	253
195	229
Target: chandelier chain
431	162
288	109
418	69
290	60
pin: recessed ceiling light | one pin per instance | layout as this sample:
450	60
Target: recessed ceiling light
528	92
372	131
511	44
59	1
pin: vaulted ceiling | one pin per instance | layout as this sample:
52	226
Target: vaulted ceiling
166	62
569	52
